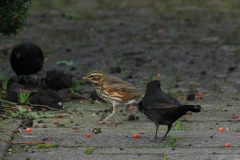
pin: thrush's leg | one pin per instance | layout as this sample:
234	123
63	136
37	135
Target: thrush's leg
113	112
127	111
169	128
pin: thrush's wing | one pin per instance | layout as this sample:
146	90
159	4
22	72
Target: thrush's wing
123	89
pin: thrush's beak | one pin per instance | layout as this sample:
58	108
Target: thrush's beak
84	77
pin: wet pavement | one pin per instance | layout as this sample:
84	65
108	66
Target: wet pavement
193	46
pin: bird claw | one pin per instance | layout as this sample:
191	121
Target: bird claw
156	140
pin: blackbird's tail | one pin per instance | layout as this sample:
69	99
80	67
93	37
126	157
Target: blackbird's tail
140	108
192	108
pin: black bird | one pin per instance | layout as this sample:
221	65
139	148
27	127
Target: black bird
26	59
161	108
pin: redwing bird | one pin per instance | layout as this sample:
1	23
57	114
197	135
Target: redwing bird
114	90
26	59
161	108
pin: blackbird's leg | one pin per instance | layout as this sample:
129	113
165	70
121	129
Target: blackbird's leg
155	139
113	112
169	128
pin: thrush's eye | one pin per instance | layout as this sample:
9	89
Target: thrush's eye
91	76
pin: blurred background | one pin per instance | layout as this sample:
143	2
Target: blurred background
194	45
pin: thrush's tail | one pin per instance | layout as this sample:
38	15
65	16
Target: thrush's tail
192	108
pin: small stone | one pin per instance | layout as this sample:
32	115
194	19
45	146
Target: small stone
231	68
191	97
211	136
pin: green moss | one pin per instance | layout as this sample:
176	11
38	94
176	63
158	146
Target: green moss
178	126
165	156
201	153
89	150
48	145
173	137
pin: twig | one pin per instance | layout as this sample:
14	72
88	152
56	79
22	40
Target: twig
10	129
40	105
27	91
82	100
4	116
36	105
21	142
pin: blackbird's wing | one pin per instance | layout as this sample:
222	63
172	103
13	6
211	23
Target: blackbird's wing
160	100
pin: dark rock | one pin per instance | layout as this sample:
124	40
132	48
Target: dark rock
231	68
57	80
116	69
26	59
191	97
47	97
12	92
203	72
95	96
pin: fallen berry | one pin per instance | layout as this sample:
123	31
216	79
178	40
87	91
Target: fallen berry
44	126
117	123
88	134
98	122
158	75
227	144
142	132
67	99
199	94
44	109
28	129
135	135
77	130
60	116
36	126
234	117
130	108
220	129
56	122
188	113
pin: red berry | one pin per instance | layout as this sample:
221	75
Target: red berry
130	108
88	134
28	129
60	116
220	129
199	94
44	126
44	109
135	135
56	122
227	144
98	122
234	117
117	123
66	99
36	126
